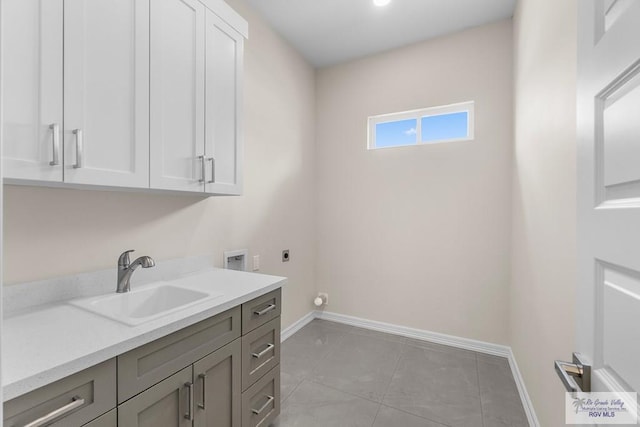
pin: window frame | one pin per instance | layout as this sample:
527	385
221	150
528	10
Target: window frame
461	107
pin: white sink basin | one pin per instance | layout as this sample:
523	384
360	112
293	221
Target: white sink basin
144	304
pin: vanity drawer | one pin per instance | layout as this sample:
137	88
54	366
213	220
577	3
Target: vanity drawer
260	352
261	402
261	310
145	366
78	398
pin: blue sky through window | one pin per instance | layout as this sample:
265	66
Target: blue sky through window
393	134
444	126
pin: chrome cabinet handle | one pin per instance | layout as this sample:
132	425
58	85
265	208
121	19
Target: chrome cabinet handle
213	170
42	421
202	160
79	148
189	414
264	311
263	352
203	378
263	407
55	139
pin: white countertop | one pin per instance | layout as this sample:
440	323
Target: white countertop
47	343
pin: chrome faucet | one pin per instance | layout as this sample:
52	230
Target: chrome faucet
126	269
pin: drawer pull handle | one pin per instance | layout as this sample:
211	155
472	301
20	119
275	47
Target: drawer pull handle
203	378
189	415
263	352
75	404
265	310
263	407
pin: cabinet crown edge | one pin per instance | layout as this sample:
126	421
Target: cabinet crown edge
228	15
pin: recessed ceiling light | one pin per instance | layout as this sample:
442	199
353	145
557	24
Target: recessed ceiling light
381	3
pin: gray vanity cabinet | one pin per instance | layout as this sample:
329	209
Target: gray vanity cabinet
167	404
209	374
110	419
217	388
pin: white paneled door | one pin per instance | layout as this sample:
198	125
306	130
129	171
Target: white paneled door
177	95
106	92
32	89
609	192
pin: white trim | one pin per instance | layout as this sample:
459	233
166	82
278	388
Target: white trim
527	404
435	337
438	338
297	325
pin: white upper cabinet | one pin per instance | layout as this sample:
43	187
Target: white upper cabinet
223	139
31	92
177	95
123	93
106	92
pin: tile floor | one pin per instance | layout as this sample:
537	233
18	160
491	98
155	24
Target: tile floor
338	375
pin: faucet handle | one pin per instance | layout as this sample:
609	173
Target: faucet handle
123	260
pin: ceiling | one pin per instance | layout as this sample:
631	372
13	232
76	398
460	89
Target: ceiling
327	32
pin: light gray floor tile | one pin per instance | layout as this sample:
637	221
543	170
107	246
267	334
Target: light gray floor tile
362	365
487	358
335	325
315	405
288	383
501	404
389	417
459	352
377	334
438	385
302	352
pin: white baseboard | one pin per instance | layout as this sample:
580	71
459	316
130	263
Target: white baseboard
419	334
435	337
297	325
522	390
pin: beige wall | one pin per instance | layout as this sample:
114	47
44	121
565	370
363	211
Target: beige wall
50	232
419	236
544	208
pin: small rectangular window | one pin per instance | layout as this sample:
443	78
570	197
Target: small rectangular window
424	126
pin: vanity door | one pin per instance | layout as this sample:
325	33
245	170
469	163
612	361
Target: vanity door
217	378
169	403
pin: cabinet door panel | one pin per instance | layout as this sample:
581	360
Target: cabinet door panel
163	405
32	87
177	95
224	56
218	394
106	89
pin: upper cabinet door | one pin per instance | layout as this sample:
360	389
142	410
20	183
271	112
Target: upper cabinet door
223	147
106	92
32	89
177	95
